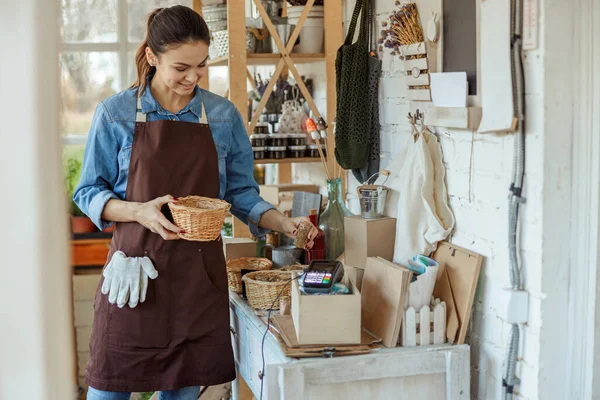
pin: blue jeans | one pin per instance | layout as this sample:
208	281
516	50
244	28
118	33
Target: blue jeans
187	393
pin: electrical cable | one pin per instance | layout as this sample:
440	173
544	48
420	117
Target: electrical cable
515	199
262	346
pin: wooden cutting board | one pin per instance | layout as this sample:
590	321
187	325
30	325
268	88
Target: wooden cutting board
462	268
384	291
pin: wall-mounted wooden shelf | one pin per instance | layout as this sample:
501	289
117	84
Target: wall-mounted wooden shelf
269	59
453	117
303	160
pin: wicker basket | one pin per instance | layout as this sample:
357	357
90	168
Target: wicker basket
236	265
201	218
219	43
263	287
294	267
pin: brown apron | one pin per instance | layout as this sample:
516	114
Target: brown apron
180	335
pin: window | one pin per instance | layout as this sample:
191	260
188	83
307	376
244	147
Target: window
100	38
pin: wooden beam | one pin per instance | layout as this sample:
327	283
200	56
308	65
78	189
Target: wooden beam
204	82
285	51
236	26
333	40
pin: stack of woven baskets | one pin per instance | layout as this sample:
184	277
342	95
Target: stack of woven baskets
264	287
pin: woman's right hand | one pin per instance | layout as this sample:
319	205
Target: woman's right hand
149	215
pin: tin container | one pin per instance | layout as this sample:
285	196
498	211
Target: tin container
372	200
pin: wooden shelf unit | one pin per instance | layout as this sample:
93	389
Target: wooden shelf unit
269	59
304	160
238	60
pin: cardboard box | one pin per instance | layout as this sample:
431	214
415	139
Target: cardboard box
368	238
354	274
238	247
327	319
272	193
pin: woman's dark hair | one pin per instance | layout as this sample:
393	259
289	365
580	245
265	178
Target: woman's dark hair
167	27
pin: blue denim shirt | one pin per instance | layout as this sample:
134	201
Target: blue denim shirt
108	150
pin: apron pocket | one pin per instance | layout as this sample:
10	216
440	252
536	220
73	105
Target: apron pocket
146	326
211	265
132	328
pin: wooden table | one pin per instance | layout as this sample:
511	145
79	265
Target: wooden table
428	372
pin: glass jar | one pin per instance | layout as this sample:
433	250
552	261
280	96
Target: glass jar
296	139
332	219
261	128
258	139
313	150
277	140
276	152
260	153
296	151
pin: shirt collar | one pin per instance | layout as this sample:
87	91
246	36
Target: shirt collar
149	103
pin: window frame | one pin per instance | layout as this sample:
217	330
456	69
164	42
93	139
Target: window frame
122	47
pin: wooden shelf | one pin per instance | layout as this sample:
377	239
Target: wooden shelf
288	160
270	59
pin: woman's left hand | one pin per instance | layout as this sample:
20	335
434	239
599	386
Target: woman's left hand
289	226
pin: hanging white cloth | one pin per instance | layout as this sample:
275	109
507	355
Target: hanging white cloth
418	198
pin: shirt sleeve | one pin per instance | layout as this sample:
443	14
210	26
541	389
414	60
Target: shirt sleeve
242	190
100	169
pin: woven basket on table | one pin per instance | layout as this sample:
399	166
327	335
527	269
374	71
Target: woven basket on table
236	265
201	218
263	287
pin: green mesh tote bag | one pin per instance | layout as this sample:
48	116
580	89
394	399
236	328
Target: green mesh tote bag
371	167
352	103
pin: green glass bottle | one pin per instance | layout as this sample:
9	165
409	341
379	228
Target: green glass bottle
331	221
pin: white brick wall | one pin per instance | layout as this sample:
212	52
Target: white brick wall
479	201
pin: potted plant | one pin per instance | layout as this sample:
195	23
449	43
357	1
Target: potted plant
80	223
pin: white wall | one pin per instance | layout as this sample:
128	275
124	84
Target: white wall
478	197
36	334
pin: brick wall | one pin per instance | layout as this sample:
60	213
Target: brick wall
478	191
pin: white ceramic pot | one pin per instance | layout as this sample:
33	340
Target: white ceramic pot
311	36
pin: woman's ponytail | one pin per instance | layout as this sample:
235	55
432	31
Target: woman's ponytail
141	61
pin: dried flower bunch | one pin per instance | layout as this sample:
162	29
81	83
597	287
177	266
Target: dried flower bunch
402	27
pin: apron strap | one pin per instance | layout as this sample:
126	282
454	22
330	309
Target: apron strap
141	117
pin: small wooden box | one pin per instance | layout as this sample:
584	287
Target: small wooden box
326	320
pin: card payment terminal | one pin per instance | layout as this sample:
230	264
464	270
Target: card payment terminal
322	275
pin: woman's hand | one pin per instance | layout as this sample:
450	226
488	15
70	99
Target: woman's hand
149	215
289	226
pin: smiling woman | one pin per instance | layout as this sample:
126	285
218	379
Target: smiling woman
162	304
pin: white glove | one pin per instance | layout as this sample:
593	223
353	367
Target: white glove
126	278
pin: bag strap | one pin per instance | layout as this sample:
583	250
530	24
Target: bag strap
359	8
369	25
